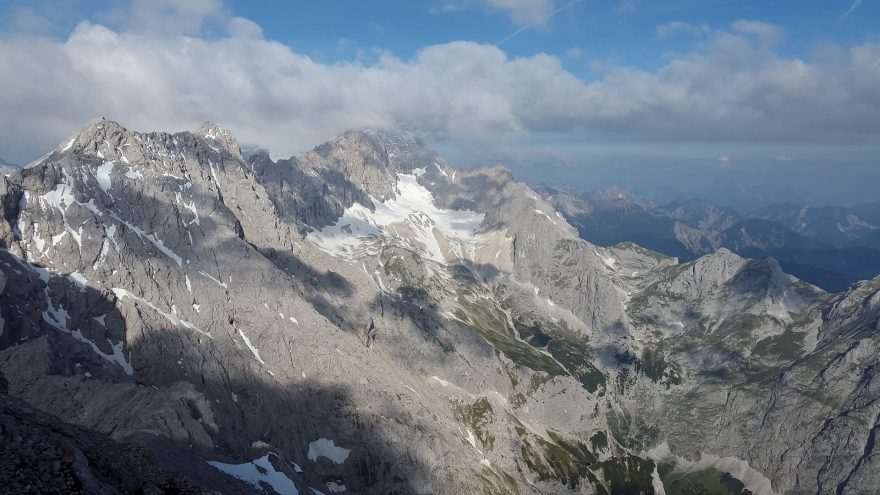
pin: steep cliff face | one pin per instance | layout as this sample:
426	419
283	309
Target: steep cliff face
365	317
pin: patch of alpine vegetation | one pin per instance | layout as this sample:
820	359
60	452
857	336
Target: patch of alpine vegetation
364	318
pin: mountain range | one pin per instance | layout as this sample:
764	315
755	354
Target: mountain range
857	226
831	247
365	318
6	167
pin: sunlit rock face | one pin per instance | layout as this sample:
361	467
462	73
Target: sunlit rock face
366	318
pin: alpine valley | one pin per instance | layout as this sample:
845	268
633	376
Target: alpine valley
179	316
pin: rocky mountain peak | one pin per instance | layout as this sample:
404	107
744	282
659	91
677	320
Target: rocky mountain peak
362	317
96	133
219	136
394	149
701	214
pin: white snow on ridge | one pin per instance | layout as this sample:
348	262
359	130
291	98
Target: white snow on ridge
539	212
191	206
212	279
327	448
471	440
57	317
79	279
253	473
254	350
153	239
441	381
414	209
172	317
62	196
103	175
335	487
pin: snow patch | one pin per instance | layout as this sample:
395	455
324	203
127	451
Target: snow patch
539	212
327	448
335	487
470	439
153	240
257	471
79	279
58	316
414	210
212	279
103	175
172	317
250	346
39	242
191	206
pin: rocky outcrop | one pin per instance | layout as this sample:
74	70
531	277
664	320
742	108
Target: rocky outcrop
365	316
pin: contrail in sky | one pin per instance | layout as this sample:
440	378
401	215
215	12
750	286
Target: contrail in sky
852	7
558	10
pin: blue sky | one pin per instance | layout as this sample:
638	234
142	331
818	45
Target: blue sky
625	31
662	97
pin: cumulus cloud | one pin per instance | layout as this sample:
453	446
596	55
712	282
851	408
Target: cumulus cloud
732	87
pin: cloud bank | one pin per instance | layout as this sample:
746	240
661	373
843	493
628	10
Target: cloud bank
732	85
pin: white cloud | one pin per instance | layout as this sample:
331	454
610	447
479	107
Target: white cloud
574	53
173	16
521	12
627	6
676	28
26	19
733	87
765	32
783	158
525	12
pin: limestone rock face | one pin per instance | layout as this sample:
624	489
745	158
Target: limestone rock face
366	317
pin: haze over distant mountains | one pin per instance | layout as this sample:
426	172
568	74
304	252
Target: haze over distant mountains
831	247
6	167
